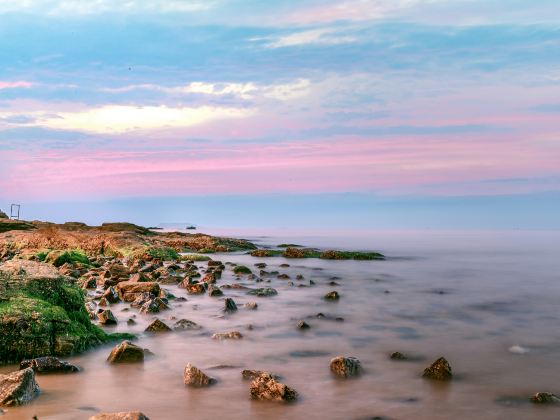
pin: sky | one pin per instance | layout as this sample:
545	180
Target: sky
354	113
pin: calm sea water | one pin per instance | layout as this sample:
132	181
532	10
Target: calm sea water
487	301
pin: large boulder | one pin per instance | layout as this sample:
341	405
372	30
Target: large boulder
126	352
42	313
18	388
196	378
48	364
125	415
265	387
345	366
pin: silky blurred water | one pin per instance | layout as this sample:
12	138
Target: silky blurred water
468	296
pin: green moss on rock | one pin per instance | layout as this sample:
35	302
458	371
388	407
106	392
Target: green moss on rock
241	269
163	253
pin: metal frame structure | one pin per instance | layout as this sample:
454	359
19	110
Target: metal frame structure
14	211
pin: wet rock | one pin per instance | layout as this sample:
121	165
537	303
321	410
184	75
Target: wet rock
131	321
125	415
545	398
129	290
229	305
149	303
157	326
284	265
185	324
440	370
260	265
106	317
126	352
48	364
214	263
263	292
111	295
265	387
196	288
345	366
300	277
140	278
333	283
302	325
397	355
283	277
232	335
251	305
241	269
196	378
18	388
332	295
209	278
214	291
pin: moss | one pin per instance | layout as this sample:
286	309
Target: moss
266	253
163	253
71	257
351	255
41	256
195	257
241	269
206	251
45	317
291	252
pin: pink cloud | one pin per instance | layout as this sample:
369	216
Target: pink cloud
15	85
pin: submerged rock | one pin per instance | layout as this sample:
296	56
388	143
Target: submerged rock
48	364
196	378
232	335
251	305
397	355
18	388
229	305
332	295
545	398
185	324
263	292
157	326
302	325
125	415
345	366
265	387
126	352
440	370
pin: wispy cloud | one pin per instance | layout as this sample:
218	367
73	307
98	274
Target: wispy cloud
15	85
323	36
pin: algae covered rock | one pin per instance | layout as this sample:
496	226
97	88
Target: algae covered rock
232	335
124	415
18	388
196	378
263	292
440	370
545	398
42	313
126	352
265	387
345	366
48	364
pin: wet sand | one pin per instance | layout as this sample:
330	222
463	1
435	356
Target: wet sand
467	297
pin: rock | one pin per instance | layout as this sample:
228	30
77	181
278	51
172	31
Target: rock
545	398
214	291
139	278
106	317
260	265
251	305
125	415
195	288
214	263
283	277
129	290
185	324
241	269
209	278
232	335
48	364
149	303
265	387
157	326
196	378
253	374
263	292
229	305
332	295
131	321
111	295
18	388
345	366
398	356
440	370
118	271
126	352
302	325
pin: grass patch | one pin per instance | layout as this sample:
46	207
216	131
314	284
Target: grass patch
71	257
163	253
266	253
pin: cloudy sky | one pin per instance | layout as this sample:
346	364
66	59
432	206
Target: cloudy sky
378	113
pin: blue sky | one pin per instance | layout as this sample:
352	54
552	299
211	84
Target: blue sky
393	113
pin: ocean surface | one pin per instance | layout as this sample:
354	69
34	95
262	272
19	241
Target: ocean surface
487	301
